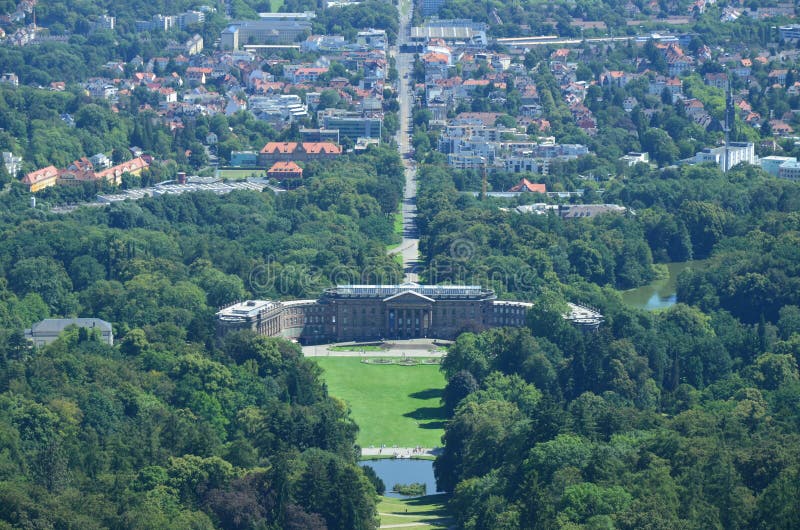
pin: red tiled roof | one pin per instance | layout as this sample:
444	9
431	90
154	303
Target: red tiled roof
527	185
309	70
321	147
40	174
285	167
433	57
308	147
279	147
134	164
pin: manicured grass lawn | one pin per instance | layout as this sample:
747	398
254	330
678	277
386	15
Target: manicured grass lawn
240	174
429	509
392	405
275	5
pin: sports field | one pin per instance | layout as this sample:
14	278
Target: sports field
393	405
240	174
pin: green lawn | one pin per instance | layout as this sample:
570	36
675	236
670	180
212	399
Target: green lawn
398	224
429	509
397	234
240	174
275	5
393	405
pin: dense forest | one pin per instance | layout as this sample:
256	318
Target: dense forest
170	427
683	418
688	417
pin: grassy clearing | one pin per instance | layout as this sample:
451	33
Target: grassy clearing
398	224
240	174
275	5
397	232
429	509
393	405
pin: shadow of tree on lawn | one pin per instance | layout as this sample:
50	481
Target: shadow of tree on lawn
430	393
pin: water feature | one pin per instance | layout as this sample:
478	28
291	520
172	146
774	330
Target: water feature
403	471
660	293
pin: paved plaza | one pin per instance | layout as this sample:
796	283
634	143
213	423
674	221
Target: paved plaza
393	348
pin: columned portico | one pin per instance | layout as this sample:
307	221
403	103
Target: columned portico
408	315
372	312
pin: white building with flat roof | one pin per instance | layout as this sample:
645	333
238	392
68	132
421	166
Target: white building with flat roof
789	170
790	32
738	152
772	164
265	31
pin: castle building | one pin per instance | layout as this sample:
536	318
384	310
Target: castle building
368	312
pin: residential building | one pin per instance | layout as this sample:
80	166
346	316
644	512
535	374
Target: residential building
353	125
373	39
197	75
304	75
104	22
191	18
790	33
780	128
526	185
617	78
280	110
114	174
194	45
81	170
717	80
737	152
13	163
772	164
9	79
789	170
523	163
100	161
41	178
49	329
778	76
634	158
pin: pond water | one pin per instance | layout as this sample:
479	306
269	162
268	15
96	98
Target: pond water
660	293
403	471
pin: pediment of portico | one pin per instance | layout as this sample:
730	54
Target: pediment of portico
410	298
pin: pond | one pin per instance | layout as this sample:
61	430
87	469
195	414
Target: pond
403	471
660	293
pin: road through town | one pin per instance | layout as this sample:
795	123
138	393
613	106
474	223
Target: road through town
409	247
